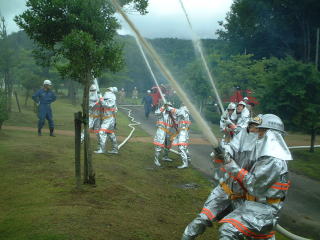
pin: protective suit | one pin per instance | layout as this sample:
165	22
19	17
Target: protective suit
44	97
226	123
182	139
108	122
220	199
266	184
165	132
94	111
240	118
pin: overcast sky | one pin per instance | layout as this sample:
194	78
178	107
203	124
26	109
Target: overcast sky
165	17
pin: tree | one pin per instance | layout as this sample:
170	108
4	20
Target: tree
7	61
291	91
272	28
79	38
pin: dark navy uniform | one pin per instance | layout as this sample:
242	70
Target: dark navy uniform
44	99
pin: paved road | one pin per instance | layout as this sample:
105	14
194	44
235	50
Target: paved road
301	213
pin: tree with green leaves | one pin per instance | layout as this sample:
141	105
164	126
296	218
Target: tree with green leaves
272	28
291	91
79	38
7	62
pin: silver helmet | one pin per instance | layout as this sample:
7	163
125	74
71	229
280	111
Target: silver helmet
271	121
93	87
231	106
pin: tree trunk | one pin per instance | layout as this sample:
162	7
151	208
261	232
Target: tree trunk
313	139
77	156
89	175
309	43
27	97
8	89
17	100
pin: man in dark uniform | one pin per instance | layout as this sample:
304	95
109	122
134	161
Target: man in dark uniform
44	97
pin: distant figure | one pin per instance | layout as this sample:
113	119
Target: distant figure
44	97
122	95
147	101
135	95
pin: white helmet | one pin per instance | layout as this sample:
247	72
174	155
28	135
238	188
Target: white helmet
148	91
93	87
169	104
271	121
113	89
231	106
242	103
47	82
245	98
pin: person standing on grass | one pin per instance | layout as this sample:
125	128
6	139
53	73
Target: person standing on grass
135	95
44	97
147	101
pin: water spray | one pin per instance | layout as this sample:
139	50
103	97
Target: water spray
197	45
202	124
150	69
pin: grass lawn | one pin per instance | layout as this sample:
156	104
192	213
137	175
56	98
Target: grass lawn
306	163
132	199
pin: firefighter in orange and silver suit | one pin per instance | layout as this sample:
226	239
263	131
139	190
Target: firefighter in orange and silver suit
219	201
182	139
108	122
164	133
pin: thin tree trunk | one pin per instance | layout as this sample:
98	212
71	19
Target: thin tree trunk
313	139
89	175
77	156
309	43
27	97
17	100
8	89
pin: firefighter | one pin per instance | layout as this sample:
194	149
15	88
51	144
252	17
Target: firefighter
44	97
240	117
219	202
182	139
165	130
226	123
94	111
108	121
266	184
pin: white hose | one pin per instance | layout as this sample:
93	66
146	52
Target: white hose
288	234
131	125
298	147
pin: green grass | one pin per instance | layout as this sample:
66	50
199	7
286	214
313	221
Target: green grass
132	200
306	163
63	112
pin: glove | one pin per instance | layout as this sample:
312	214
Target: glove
219	152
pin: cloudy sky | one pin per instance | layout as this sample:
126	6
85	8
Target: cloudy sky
165	17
